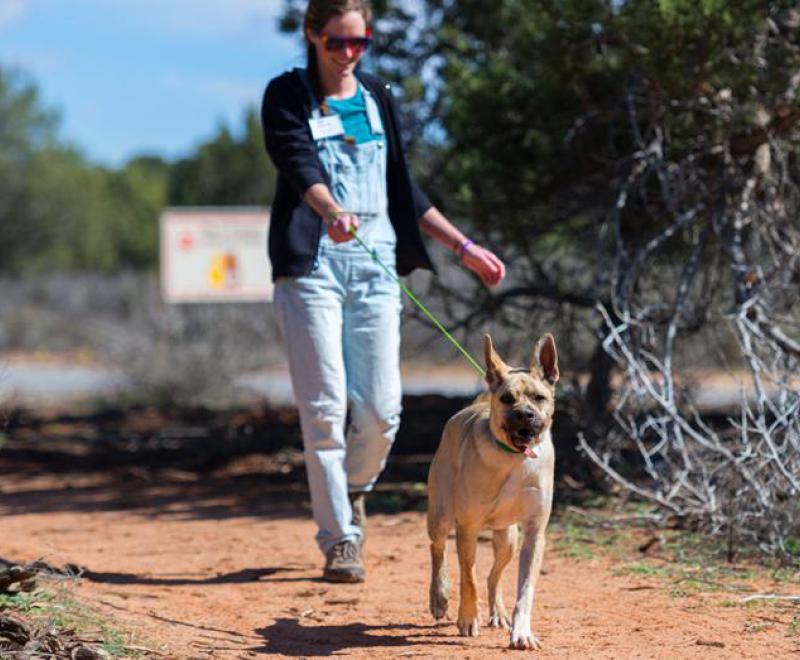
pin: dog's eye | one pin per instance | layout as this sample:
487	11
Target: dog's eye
507	399
540	398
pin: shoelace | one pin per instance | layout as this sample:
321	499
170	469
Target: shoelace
346	550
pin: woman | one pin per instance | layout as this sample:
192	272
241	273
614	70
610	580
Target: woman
333	135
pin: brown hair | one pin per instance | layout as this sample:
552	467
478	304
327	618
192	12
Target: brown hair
318	13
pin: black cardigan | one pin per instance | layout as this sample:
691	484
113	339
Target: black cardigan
294	239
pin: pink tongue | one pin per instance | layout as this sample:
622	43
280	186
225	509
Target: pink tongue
529	453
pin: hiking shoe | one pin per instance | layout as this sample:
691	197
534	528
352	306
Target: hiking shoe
358	504
343	563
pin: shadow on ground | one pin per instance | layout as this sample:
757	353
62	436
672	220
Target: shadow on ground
216	498
288	637
237	577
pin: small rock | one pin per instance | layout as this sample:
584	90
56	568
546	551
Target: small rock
84	652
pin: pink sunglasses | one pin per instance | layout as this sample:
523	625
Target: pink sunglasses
334	43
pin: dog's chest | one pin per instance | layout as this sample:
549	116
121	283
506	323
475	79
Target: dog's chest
519	497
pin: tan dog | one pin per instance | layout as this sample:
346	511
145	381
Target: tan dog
494	469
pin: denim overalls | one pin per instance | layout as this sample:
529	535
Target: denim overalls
341	324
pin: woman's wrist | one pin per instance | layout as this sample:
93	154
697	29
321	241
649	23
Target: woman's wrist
462	247
332	215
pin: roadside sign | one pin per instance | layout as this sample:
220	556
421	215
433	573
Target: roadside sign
215	254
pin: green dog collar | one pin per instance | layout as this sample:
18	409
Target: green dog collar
505	447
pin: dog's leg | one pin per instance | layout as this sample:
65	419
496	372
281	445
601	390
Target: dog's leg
503	542
468	619
530	565
438	529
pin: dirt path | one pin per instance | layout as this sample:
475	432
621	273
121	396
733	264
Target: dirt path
226	568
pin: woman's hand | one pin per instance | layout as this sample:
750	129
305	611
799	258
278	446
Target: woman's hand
340	225
480	261
484	264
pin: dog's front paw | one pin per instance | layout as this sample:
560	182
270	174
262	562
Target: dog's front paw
525	640
499	620
469	627
438	603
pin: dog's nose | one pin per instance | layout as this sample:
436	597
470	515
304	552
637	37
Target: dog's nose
524	415
531	419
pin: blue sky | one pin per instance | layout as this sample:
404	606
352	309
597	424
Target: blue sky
146	76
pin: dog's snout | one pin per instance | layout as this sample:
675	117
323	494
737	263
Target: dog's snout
530	419
525	415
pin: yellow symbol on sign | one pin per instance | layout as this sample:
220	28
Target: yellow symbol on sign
222	274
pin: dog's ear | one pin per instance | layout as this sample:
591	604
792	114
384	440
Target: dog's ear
545	359
495	367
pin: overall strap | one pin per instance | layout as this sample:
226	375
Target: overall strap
373	112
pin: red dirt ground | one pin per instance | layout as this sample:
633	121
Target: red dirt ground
226	568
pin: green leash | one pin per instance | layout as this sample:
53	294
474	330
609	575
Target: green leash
417	302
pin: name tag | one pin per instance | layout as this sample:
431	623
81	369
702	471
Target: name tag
325	127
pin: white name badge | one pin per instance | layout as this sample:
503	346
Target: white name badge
325	127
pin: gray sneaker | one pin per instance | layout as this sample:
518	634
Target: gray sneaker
343	563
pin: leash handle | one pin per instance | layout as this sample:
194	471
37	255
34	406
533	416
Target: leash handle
419	304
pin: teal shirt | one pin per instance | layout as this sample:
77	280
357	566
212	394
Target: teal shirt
353	112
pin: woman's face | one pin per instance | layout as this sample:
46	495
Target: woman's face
340	61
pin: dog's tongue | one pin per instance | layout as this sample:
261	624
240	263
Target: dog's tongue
529	453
